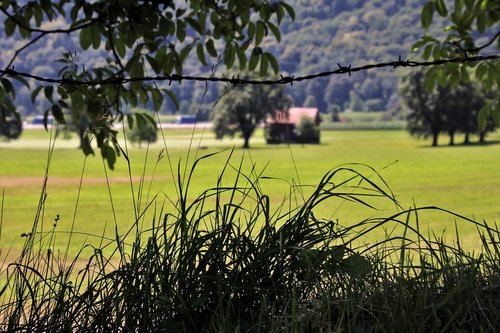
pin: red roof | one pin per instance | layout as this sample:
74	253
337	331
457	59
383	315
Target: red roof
293	116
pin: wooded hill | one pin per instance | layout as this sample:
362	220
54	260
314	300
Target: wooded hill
324	34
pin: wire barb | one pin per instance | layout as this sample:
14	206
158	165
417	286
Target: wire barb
237	80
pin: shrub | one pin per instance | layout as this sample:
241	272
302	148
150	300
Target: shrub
10	127
146	132
307	131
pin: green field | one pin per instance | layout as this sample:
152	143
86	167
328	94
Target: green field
464	179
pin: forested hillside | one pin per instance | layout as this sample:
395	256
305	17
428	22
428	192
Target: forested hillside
327	33
324	34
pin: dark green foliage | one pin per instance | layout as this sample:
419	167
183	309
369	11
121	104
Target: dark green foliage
307	131
334	113
146	134
425	119
144	130
450	110
11	126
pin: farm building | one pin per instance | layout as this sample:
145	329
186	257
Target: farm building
298	125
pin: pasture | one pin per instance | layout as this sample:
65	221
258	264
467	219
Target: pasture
463	179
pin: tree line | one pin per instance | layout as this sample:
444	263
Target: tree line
448	109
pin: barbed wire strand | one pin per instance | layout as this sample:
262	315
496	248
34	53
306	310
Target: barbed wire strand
237	80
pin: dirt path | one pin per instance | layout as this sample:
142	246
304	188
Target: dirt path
23	181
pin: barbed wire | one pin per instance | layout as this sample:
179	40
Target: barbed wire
237	80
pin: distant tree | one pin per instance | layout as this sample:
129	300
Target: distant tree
468	100
144	131
425	118
77	122
11	126
334	112
310	102
338	92
244	107
450	109
355	103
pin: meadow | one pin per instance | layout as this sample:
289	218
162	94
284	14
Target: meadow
462	179
197	235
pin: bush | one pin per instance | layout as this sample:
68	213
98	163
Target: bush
307	131
146	132
10	128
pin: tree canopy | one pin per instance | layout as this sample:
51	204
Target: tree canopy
471	28
449	110
140	39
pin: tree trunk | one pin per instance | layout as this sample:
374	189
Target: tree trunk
435	137
246	145
467	138
452	138
482	137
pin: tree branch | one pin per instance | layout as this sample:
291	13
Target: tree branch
21	49
479	48
42	33
53	31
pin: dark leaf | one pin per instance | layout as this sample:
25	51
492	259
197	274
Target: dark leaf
427	14
58	114
86	37
229	55
86	146
173	97
201	54
289	9
441	8
48	91
211	48
35	92
10	26
275	30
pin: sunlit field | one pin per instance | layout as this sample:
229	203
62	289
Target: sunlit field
463	179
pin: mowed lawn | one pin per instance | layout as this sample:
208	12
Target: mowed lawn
463	179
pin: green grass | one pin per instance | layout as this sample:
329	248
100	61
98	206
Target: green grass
273	239
227	261
464	179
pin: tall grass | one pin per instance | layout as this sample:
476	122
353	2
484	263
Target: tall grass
224	260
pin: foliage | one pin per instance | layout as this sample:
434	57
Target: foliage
446	109
472	29
11	126
307	131
425	118
143	132
137	38
243	108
